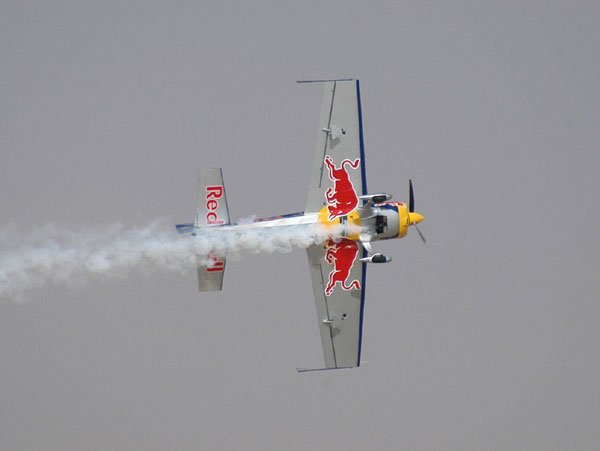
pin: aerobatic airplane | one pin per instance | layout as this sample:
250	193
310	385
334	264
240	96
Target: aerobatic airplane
337	197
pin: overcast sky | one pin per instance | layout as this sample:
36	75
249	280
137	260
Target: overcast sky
485	338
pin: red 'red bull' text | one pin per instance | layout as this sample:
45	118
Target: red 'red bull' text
215	264
213	194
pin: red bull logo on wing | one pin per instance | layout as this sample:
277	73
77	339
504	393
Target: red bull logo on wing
341	198
341	255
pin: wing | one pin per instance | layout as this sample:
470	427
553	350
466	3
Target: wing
338	279
340	137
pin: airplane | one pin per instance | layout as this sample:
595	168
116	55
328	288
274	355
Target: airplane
337	197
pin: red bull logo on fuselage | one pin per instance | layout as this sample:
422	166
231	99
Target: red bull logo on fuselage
342	255
341	197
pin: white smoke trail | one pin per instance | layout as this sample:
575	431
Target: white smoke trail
52	256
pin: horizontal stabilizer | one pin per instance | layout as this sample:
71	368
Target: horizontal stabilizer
210	276
212	203
211	211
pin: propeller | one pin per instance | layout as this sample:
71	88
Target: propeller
411	197
420	234
411	207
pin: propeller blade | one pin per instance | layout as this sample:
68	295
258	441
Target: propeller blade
420	234
411	197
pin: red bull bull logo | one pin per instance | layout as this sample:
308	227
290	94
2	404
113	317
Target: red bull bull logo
341	198
341	255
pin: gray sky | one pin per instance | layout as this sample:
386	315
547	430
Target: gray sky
485	338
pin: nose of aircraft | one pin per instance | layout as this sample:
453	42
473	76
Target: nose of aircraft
414	218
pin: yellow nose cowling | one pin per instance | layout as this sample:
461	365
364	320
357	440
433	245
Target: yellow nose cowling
414	218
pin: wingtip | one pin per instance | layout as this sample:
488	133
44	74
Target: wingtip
309	370
324	80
